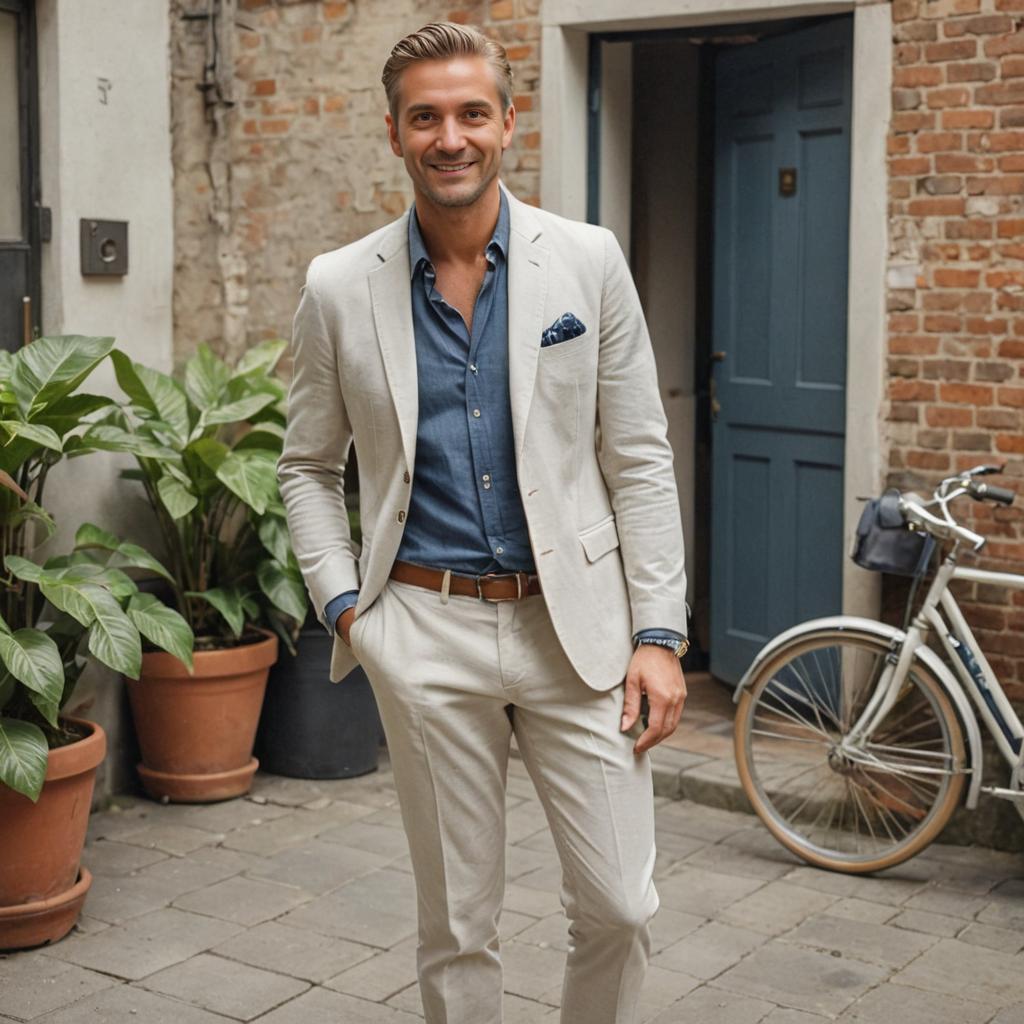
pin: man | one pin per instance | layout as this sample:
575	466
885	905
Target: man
520	525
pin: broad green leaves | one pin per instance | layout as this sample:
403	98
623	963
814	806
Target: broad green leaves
51	368
162	626
23	756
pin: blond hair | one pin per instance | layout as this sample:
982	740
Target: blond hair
442	40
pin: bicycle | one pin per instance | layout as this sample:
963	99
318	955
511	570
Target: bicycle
854	740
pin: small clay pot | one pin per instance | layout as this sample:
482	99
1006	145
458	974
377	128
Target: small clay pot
196	732
42	886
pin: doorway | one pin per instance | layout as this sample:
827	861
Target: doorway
738	232
20	212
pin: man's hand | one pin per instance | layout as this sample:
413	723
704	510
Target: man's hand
657	672
344	624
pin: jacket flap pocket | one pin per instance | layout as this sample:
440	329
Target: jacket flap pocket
600	539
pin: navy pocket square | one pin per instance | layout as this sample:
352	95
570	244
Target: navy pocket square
565	327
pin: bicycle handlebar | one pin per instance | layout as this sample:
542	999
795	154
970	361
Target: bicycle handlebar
920	516
981	491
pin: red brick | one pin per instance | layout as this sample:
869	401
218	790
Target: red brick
928	460
898	144
1011	164
974	228
278	126
959	163
945	277
502	10
1010	5
1011	349
983	25
966	394
1000	93
910	165
335	11
941	324
983	325
911	78
968	119
940	99
904	121
948	416
1005	44
906	53
1012	67
1010	227
1012	397
997	419
913	344
973	71
972	441
903	323
1001	278
1010	443
905	10
523	102
940	206
997	185
942	302
946	369
263	87
901	390
960	49
937	142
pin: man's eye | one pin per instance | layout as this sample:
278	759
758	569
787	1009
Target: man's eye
474	115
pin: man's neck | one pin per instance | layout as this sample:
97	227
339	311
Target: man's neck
458	234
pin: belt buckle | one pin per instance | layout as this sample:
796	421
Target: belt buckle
498	575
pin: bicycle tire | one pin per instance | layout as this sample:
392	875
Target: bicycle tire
910	789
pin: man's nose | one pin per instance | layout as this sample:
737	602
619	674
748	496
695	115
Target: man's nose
451	138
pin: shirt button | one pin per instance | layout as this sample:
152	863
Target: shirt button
487	487
405	476
499	551
486	476
401	516
476	412
472	366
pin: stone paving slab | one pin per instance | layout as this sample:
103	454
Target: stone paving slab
296	905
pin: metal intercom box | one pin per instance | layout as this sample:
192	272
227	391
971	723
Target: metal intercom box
104	247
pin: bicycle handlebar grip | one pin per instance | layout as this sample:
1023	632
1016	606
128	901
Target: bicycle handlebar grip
1001	494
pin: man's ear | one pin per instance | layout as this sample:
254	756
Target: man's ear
393	139
509	127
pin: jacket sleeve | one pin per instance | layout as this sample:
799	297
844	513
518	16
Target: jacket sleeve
311	468
635	456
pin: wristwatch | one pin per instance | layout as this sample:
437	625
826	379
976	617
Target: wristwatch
677	647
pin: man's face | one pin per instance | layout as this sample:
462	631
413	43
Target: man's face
449	128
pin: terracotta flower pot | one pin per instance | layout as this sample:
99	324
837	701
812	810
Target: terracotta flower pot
42	887
197	732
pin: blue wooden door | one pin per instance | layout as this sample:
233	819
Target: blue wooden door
782	158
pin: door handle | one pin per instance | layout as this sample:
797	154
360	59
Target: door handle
716	406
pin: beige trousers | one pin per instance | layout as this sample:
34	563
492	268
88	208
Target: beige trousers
443	673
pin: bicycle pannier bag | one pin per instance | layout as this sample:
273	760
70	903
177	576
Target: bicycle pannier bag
883	542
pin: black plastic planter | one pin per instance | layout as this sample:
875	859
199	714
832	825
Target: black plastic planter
311	728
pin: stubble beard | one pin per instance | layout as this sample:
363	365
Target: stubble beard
451	201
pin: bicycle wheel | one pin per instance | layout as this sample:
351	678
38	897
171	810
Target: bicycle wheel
839	806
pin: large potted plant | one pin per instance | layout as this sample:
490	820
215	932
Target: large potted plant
206	449
309	728
50	615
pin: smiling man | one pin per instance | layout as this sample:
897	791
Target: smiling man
521	571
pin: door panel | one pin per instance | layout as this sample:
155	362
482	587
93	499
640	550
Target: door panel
779	315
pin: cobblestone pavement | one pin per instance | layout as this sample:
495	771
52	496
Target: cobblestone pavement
296	906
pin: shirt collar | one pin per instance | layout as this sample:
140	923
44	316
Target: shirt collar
499	240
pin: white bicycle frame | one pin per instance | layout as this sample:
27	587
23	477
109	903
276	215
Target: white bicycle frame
941	613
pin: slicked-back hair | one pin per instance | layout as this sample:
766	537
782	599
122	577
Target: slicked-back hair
443	40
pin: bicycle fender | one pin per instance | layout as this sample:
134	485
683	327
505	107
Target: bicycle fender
891	635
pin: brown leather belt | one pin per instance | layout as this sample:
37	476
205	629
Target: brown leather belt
506	586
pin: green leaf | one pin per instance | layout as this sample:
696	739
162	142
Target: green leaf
274	536
162	626
34	660
113	637
23	569
234	412
268	435
177	499
126	554
154	392
50	368
23	757
228	601
250	477
283	588
261	358
206	376
110	438
33	432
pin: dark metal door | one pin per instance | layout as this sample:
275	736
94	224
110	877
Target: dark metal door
782	157
19	190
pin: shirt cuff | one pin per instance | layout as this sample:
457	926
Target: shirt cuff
657	634
336	605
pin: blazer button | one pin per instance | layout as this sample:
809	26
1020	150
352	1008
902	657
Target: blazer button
405	476
401	516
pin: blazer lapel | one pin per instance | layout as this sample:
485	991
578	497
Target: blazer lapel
391	296
527	290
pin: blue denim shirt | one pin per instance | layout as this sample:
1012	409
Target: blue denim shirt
465	510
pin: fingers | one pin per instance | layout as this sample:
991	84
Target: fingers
631	702
666	709
343	626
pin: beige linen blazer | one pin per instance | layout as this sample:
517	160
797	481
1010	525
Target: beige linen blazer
593	461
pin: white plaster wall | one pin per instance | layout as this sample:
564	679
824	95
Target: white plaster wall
105	160
616	149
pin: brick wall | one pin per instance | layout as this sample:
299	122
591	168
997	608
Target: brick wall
301	163
956	275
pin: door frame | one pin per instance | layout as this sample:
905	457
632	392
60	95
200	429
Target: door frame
28	147
565	55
